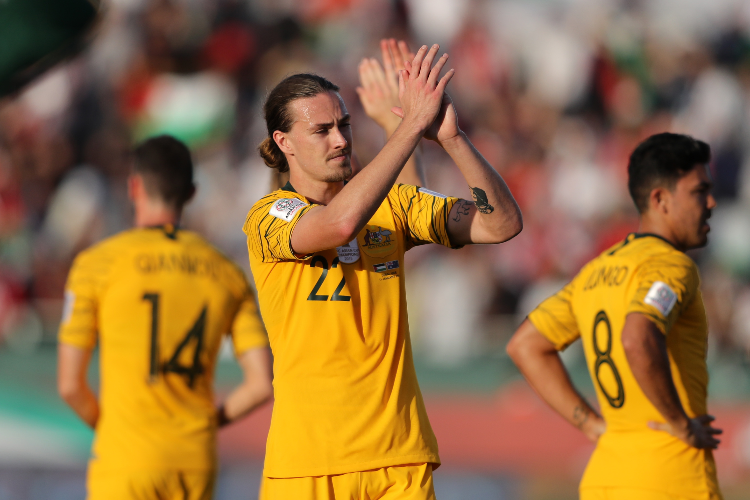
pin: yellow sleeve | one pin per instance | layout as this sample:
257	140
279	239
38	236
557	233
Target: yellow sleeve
247	327
555	320
423	214
79	324
666	285
269	227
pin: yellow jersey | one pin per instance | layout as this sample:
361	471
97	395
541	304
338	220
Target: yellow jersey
346	393
642	274
159	301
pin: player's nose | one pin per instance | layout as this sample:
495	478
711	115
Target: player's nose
338	139
711	202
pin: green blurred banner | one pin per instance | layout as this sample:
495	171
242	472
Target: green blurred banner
36	34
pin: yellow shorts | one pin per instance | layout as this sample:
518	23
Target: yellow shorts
403	482
150	484
629	494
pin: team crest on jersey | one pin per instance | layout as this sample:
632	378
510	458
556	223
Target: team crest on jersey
349	253
285	208
377	241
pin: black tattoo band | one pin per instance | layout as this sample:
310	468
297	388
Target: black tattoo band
462	208
481	201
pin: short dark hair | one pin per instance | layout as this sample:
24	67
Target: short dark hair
660	161
278	116
167	169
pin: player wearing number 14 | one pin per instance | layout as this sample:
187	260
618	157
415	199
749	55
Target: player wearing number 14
158	300
638	310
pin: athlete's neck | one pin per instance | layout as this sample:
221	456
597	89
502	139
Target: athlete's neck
318	192
151	213
658	227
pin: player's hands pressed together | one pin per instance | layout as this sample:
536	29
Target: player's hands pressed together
379	84
343	215
421	89
378	93
696	432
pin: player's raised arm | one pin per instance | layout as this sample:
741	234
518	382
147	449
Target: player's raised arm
645	347
493	216
378	93
539	362
421	93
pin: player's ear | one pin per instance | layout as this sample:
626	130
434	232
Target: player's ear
658	200
135	186
282	141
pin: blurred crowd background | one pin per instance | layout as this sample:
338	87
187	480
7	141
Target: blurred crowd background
555	94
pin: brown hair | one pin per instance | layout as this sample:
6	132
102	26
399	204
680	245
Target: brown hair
278	116
166	167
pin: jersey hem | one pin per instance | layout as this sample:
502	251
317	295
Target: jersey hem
666	491
433	459
105	467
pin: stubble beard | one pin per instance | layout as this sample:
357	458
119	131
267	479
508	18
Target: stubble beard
342	174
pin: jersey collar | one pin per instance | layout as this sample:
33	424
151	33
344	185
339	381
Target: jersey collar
288	187
652	235
170	230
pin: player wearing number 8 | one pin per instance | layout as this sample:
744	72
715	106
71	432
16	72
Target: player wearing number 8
638	310
327	258
158	300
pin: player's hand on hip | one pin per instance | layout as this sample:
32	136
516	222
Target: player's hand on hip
594	427
696	432
378	90
421	90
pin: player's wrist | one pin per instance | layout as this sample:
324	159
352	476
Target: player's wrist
221	417
594	426
452	143
681	426
411	126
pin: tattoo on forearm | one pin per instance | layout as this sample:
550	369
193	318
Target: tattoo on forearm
580	415
481	201
463	207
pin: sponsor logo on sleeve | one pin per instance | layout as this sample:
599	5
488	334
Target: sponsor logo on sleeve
349	253
433	193
70	299
285	208
661	297
385	266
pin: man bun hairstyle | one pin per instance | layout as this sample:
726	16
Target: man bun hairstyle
166	167
660	161
279	117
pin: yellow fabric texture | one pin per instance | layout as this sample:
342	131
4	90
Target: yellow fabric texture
408	482
159	302
630	494
346	394
593	307
150	484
